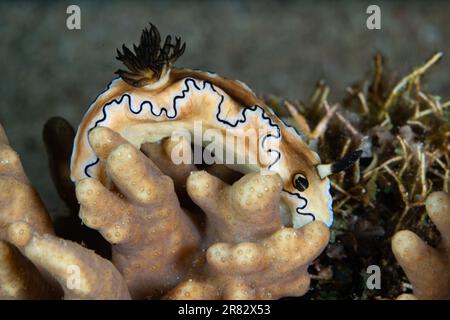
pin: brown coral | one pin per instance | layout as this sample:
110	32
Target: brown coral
19	278
271	268
34	263
79	271
252	255
153	238
246	211
18	199
426	267
156	245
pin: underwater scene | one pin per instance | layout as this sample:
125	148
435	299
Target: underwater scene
225	150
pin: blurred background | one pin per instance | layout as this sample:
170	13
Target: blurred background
280	48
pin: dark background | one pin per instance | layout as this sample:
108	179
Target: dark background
281	48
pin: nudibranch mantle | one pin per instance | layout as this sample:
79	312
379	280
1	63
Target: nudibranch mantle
149	115
179	98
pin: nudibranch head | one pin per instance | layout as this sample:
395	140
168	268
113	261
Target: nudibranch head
306	196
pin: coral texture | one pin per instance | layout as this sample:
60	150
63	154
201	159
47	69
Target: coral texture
252	255
34	263
79	271
270	268
246	210
249	254
426	267
153	238
18	199
19	278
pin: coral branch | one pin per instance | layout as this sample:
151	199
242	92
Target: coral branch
153	238
271	268
79	271
20	279
18	200
252	255
426	267
245	211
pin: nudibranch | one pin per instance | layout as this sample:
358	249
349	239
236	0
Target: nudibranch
152	100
